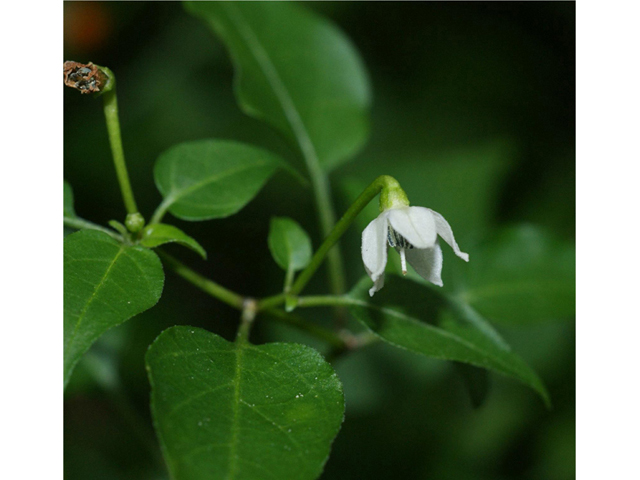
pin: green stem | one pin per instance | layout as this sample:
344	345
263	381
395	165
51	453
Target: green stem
272	301
115	140
237	301
383	182
160	211
249	309
81	224
208	286
288	280
326	301
380	183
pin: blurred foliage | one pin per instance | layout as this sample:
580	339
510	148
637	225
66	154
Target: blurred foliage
473	112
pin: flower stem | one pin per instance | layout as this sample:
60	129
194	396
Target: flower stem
383	182
115	140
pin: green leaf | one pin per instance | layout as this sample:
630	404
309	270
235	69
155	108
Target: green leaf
212	178
158	234
521	275
413	316
237	411
69	211
297	72
290	245
105	283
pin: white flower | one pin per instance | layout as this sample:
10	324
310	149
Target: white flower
413	232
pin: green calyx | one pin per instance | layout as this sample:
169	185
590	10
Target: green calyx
392	195
110	82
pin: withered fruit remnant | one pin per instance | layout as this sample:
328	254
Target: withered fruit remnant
85	78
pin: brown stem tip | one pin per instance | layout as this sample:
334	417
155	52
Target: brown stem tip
86	78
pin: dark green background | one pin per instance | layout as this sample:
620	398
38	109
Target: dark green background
473	112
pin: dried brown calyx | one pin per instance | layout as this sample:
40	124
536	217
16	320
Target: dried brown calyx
85	78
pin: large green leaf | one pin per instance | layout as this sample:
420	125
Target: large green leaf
522	274
209	179
290	245
158	234
237	411
413	316
105	283
297	72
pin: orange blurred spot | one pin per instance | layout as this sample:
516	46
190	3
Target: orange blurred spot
86	25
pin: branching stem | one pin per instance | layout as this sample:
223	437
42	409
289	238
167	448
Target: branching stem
250	307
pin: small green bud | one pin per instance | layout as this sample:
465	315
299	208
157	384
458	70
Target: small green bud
134	222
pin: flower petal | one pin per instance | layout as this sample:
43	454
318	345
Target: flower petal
377	284
444	230
374	246
416	224
427	262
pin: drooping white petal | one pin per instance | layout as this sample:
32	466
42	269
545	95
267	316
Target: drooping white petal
377	284
416	224
374	246
427	262
444	230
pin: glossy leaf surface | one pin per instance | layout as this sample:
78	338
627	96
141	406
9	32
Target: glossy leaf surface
290	245
296	71
160	233
210	179
237	411
105	283
412	316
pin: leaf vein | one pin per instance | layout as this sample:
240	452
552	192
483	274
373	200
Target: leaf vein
93	296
